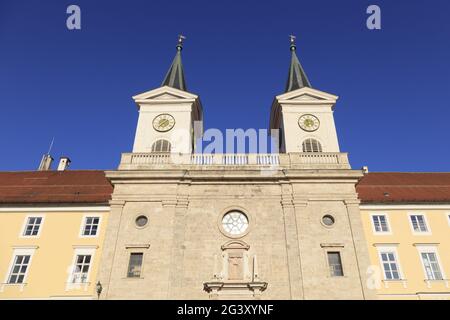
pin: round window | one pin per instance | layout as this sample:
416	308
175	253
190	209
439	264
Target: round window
141	221
235	223
328	220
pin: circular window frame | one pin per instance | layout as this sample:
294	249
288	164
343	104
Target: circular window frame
332	217
136	217
250	220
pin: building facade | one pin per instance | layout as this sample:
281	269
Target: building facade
235	226
406	217
52	229
175	223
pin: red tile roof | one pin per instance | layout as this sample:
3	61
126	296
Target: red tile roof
405	187
83	186
77	186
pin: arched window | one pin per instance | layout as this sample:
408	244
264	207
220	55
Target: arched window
311	145
161	145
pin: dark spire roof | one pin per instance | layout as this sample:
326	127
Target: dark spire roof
297	77
175	76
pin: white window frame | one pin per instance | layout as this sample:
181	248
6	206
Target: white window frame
25	223
26	251
431	248
390	249
385	248
77	252
83	224
388	224
419	233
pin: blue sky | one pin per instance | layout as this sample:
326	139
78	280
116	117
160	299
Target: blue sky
394	83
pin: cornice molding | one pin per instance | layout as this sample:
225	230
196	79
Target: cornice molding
243	175
402	206
352	202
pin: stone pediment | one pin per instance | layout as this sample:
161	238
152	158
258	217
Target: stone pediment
235	244
169	96
164	94
307	95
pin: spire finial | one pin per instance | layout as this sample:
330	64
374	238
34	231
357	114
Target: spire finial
297	77
175	76
292	39
181	38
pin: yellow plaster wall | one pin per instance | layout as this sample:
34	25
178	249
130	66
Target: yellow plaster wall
408	254
52	261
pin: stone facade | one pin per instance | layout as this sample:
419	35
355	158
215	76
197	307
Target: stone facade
286	252
183	224
183	241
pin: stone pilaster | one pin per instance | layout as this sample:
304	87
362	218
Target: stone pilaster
110	246
292	243
299	208
179	229
360	245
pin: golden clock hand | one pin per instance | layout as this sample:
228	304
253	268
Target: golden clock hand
164	123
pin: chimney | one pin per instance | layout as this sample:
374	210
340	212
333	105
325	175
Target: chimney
63	163
46	162
365	169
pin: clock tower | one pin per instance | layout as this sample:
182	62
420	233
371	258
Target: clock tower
246	226
303	115
167	114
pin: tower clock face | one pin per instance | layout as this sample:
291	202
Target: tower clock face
163	122
308	122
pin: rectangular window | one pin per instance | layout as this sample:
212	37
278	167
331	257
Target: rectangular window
431	265
418	223
81	269
91	226
135	265
390	266
380	223
32	227
19	269
335	264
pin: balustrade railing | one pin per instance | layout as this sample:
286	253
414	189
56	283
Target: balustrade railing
282	159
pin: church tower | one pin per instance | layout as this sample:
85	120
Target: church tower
234	226
303	115
167	114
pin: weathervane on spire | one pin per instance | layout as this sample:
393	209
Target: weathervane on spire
181	38
292	38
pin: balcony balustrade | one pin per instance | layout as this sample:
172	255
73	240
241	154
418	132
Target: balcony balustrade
142	161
